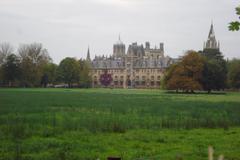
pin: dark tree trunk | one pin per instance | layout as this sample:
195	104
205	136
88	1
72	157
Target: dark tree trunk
209	91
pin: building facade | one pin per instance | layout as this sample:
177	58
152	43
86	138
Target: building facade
139	67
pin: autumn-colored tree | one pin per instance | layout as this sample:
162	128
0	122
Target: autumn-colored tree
187	74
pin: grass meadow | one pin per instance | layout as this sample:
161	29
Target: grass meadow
90	124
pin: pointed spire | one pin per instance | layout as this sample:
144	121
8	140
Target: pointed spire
119	37
211	41
211	32
88	55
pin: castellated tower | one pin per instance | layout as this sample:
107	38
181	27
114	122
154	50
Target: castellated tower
119	49
154	53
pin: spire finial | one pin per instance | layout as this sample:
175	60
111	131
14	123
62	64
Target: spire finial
119	37
88	54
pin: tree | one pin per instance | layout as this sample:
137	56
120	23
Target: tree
5	50
33	59
85	78
187	74
1	75
49	73
69	71
234	73
235	25
11	69
215	70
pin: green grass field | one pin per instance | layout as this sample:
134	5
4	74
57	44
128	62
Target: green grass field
75	124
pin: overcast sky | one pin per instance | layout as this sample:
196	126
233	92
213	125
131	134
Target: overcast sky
67	27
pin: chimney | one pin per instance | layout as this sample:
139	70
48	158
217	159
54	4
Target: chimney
162	47
147	45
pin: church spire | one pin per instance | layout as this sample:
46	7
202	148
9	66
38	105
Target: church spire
211	41
211	32
88	55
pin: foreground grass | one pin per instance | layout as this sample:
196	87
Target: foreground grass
134	124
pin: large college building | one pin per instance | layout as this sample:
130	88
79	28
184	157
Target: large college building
139	67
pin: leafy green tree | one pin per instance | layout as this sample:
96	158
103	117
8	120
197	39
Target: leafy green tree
215	70
234	73
69	71
5	50
50	72
11	69
33	59
1	75
235	25
85	77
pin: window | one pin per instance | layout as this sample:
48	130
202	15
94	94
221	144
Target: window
121	83
137	83
152	83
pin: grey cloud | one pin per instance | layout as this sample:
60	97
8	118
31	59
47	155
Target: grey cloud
67	27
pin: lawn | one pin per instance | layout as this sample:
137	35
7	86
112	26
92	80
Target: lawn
134	124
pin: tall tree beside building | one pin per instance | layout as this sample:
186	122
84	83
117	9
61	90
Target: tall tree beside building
85	77
215	70
69	71
33	59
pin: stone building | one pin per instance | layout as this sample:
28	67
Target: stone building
139	67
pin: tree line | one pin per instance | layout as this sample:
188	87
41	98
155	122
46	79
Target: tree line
205	70
31	66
